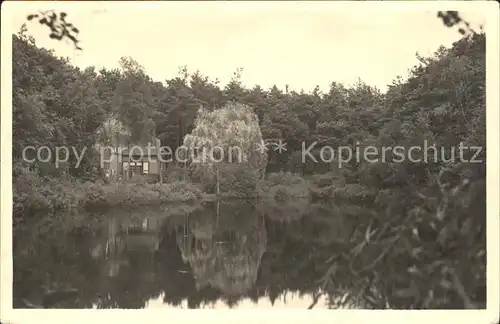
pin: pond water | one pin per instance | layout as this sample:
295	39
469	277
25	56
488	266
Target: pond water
224	254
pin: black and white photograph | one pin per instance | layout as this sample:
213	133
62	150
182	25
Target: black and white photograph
250	155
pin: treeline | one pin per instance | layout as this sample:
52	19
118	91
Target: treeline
58	104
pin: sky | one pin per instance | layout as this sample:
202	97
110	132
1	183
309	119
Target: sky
281	43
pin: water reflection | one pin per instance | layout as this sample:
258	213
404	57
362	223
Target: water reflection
223	249
285	300
182	255
238	254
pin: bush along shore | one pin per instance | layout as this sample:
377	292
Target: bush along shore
35	193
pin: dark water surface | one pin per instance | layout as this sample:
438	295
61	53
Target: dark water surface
236	254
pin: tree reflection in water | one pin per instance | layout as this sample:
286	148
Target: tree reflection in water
224	249
226	253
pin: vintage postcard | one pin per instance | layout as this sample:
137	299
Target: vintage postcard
257	161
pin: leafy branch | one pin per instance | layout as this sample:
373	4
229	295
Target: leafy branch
59	27
452	18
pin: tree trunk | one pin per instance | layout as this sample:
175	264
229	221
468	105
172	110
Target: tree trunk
160	162
217	181
217	215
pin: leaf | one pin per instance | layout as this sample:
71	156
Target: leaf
461	31
455	16
30	17
75	30
55	36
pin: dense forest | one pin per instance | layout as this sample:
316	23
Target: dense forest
438	206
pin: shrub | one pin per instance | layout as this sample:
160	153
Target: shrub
238	180
284	178
353	191
204	176
34	193
283	186
25	194
328	179
178	191
280	193
235	180
144	179
91	194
